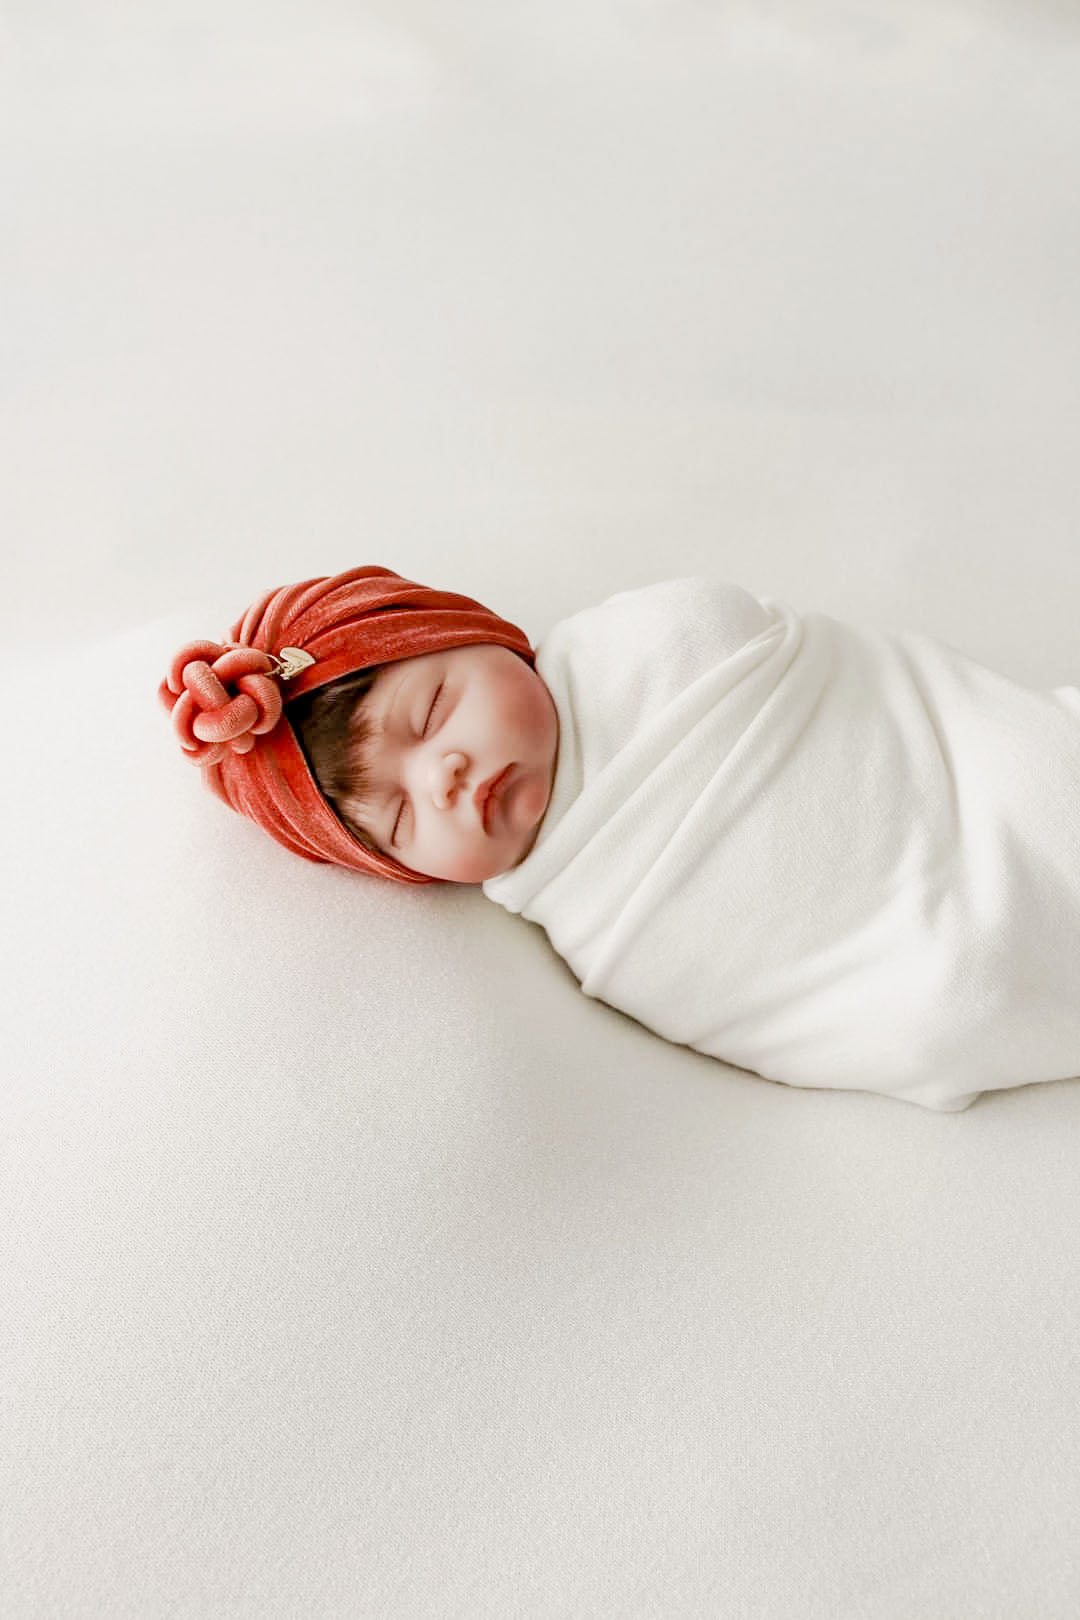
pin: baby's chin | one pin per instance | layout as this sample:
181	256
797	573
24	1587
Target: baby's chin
479	868
480	864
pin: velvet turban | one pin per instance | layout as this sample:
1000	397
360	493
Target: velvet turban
229	700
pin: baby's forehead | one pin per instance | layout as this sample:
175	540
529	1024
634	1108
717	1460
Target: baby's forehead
389	676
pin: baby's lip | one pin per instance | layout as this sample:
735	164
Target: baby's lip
485	796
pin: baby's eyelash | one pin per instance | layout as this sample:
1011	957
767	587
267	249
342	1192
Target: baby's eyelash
434	706
427	722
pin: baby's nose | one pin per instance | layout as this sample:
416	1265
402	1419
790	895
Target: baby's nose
447	775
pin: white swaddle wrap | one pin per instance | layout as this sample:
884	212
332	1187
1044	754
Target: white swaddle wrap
838	856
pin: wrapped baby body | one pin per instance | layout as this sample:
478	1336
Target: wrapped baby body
835	855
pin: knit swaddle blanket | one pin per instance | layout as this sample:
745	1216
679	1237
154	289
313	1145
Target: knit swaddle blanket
835	855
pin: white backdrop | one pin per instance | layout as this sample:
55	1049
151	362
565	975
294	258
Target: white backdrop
352	1263
548	298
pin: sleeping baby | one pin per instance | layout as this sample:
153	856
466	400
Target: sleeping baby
831	854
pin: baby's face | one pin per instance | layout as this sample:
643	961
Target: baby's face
446	725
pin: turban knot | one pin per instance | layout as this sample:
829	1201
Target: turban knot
221	697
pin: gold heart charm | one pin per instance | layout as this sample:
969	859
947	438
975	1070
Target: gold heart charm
290	661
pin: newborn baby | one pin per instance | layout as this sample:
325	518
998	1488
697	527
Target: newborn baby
830	854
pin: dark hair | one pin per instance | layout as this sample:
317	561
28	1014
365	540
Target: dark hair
333	728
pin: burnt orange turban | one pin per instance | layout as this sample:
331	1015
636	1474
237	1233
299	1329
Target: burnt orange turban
230	710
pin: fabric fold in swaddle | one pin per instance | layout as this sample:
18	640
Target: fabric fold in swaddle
835	855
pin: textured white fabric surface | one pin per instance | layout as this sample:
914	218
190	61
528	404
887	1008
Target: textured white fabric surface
355	1263
837	855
